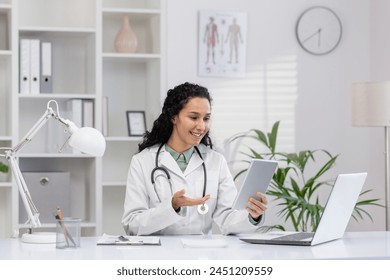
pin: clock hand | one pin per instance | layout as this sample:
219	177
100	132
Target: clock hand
312	35
319	37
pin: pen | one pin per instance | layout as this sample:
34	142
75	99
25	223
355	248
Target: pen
59	215
64	229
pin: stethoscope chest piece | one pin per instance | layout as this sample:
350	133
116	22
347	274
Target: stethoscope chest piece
203	209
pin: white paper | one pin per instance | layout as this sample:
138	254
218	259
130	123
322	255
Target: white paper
204	243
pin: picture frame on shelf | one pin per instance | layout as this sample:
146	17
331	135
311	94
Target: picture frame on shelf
136	123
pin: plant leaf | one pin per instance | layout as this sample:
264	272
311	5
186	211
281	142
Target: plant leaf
273	137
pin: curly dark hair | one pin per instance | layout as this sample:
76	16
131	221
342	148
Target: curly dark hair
176	99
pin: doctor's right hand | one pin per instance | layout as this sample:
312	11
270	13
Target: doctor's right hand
179	199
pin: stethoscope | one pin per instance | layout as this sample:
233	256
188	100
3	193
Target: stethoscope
202	209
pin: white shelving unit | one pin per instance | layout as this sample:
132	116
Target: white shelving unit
131	82
85	66
7	43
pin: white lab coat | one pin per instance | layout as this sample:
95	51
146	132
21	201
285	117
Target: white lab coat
144	214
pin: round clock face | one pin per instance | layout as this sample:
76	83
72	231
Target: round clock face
318	30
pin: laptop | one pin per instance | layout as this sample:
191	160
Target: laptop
333	221
257	179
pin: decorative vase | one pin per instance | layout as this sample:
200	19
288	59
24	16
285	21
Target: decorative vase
126	40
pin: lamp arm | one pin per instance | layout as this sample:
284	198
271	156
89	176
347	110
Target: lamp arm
10	154
49	113
31	209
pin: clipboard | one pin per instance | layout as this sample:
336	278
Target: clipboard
121	240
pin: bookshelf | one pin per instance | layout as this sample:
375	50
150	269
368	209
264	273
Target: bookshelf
85	66
130	82
7	61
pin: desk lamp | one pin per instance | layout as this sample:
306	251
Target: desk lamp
371	107
85	139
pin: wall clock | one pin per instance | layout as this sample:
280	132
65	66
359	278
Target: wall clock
318	30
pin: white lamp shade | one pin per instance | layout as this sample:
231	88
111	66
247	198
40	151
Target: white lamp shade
371	104
88	140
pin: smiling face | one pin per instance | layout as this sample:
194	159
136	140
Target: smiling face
190	125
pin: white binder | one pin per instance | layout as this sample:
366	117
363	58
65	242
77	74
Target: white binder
105	115
75	113
46	68
35	61
88	113
24	66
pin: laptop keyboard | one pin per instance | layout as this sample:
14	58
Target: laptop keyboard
296	236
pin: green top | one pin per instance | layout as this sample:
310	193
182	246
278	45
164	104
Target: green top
183	158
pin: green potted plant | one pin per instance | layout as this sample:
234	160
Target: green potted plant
295	190
3	169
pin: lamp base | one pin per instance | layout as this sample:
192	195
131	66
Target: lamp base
39	238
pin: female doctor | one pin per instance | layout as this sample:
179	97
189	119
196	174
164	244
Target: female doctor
176	183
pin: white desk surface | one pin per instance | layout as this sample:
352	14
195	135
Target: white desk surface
354	245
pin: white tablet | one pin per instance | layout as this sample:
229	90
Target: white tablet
257	179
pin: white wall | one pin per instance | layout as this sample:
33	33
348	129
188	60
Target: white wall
311	95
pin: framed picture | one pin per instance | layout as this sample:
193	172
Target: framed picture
136	123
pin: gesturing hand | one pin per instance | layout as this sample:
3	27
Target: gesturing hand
179	199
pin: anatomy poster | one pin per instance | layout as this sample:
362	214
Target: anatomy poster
222	44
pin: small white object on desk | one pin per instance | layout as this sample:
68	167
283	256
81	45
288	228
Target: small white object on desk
204	243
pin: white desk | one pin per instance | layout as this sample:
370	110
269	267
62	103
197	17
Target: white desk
354	245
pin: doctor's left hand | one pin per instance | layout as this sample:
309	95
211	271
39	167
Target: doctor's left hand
179	199
257	207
